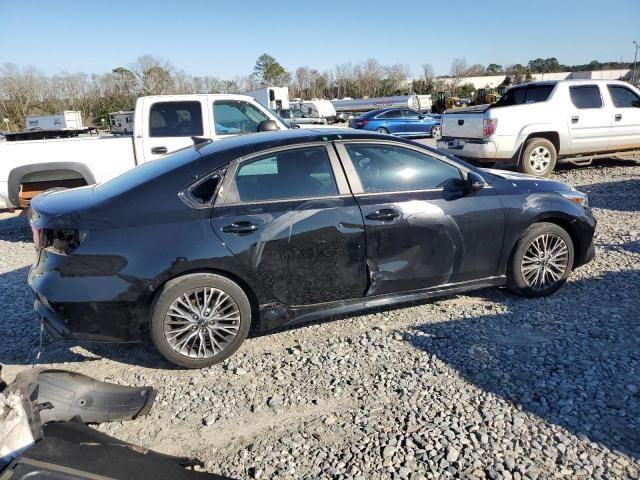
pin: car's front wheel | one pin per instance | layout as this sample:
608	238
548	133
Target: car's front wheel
541	261
200	319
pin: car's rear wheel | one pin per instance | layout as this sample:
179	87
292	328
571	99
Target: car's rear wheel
382	130
200	319
436	132
538	158
541	261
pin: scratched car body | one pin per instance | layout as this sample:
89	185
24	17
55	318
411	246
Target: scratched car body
272	229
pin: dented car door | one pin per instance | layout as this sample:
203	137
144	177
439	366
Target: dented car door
289	218
424	228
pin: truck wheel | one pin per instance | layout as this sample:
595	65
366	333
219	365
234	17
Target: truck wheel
200	319
436	132
538	158
541	261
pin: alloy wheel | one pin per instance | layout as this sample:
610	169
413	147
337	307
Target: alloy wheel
202	322
435	132
540	159
545	261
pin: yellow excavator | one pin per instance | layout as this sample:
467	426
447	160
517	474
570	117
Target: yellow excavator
486	95
445	101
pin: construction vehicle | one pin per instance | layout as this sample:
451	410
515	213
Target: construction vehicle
445	101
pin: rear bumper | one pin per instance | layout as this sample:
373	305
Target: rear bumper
483	151
59	327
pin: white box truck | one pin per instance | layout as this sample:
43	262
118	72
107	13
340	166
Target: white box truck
67	120
274	98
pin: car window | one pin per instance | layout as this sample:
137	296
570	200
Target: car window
391	114
233	117
410	114
387	168
175	119
622	97
585	96
290	174
529	94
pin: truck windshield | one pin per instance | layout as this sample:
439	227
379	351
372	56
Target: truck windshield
526	94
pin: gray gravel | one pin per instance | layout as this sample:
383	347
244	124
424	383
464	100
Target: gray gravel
485	385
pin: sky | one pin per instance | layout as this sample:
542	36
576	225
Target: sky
224	39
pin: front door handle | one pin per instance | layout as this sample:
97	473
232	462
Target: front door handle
384	214
159	150
618	117
575	119
240	227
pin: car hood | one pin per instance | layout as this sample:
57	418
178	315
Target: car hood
527	182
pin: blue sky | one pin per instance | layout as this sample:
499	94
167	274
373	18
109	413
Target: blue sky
225	38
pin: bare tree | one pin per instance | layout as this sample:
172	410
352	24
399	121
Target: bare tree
457	73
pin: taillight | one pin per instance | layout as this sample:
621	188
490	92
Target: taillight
489	126
39	239
59	241
361	123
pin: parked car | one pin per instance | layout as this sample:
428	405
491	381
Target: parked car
402	122
536	125
267	230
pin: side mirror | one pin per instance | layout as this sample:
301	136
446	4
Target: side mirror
267	126
475	182
421	117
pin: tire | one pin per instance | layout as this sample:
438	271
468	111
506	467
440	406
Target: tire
436	132
553	263
382	130
208	340
538	157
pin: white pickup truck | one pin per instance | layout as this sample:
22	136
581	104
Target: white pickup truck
162	124
535	125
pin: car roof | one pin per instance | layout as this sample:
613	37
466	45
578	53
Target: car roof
256	142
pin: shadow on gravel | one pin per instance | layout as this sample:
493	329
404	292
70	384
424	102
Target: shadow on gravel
623	196
566	358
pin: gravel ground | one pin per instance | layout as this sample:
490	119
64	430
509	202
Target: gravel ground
485	385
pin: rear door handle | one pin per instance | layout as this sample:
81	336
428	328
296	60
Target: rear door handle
575	119
384	214
240	227
159	150
618	116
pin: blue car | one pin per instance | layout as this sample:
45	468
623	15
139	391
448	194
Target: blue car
402	122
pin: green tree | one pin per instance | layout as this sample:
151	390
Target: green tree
494	69
537	65
269	73
466	90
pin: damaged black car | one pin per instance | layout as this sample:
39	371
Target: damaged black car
253	233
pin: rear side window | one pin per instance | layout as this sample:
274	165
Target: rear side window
233	117
386	168
391	114
175	119
290	174
622	97
587	96
520	95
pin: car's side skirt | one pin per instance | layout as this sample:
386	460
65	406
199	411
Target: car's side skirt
275	316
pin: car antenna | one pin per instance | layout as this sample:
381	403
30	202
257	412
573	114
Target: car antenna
200	142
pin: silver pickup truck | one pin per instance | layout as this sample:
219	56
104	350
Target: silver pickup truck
536	125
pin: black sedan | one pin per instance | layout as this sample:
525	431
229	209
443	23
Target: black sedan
256	232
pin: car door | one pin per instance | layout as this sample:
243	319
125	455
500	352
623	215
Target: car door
289	217
589	119
393	121
424	229
625	124
413	124
170	126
